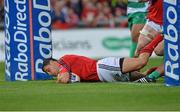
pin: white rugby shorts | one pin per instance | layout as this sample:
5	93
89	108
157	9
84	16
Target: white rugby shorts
155	26
109	70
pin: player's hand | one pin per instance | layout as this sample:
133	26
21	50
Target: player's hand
74	78
63	78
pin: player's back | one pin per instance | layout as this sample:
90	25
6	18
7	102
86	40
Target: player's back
84	67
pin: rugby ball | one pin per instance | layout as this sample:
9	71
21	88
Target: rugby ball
74	78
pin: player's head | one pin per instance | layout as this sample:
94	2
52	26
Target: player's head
50	66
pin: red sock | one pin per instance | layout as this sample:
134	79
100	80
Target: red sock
149	48
151	70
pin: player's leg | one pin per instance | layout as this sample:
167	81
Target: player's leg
134	35
148	33
159	50
132	64
108	70
136	75
136	23
157	73
159	70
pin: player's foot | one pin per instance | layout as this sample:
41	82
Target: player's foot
146	80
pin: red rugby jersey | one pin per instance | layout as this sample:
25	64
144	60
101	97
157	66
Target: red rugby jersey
155	11
84	67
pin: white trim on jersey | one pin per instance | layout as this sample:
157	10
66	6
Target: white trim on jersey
133	0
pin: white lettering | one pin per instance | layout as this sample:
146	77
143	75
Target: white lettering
39	65
45	50
7	39
171	38
169	68
43	22
170	19
42	7
172	34
173	48
44	36
20	3
172	2
20	38
20	76
41	37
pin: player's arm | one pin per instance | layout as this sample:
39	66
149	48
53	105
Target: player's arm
63	76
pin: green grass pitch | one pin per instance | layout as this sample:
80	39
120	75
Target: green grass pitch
47	95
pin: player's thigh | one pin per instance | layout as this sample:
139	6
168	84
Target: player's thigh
109	70
159	50
142	42
135	31
138	20
149	32
146	35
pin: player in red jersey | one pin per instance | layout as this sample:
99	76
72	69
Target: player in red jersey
74	68
155	11
153	27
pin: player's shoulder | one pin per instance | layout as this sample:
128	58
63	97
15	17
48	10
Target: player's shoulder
69	56
74	57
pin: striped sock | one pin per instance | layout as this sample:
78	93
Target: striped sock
154	74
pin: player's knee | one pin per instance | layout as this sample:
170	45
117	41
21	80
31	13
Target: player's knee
143	62
139	46
158	52
135	37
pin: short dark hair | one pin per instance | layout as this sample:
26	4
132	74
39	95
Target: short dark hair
47	62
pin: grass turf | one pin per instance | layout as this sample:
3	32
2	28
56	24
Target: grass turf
47	95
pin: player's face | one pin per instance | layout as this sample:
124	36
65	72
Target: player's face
52	69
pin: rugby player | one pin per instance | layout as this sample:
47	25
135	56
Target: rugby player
152	28
74	68
136	19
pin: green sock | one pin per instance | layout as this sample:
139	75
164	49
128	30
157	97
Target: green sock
154	74
133	49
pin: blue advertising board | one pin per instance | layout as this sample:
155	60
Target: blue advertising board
27	39
172	42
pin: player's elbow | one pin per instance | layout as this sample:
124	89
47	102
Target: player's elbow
159	52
